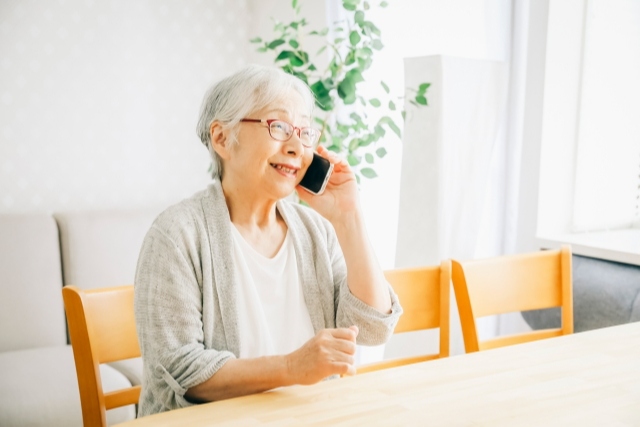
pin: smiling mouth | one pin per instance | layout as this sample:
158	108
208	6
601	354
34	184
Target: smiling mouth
285	169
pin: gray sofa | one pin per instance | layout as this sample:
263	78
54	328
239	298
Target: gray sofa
605	293
38	254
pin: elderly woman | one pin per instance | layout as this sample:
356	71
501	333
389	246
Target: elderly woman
239	291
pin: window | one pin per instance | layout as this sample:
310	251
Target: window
589	192
608	139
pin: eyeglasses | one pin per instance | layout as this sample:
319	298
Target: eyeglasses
283	131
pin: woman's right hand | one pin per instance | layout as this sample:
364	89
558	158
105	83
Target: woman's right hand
330	352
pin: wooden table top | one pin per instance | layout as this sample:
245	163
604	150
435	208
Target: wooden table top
585	379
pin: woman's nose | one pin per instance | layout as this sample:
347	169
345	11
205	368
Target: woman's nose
294	145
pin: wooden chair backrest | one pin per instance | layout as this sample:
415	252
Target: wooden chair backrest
102	330
513	283
424	295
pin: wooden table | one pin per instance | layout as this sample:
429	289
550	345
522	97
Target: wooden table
586	379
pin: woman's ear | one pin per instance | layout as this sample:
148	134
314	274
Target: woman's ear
219	139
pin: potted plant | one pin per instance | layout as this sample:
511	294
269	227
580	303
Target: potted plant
350	46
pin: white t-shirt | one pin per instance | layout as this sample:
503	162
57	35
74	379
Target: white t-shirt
273	317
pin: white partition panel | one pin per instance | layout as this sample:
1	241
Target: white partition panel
446	162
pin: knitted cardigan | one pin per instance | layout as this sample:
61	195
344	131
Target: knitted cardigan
185	294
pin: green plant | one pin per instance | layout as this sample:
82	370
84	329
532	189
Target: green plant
350	46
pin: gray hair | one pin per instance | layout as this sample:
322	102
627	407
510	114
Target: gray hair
238	96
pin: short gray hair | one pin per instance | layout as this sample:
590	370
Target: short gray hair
235	97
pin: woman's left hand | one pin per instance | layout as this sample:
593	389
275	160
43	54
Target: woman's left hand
340	197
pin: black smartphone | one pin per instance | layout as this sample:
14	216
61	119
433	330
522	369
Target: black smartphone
317	175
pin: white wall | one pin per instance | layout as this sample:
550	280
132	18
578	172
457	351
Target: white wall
99	99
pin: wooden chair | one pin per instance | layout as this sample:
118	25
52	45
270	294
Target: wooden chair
102	330
509	284
424	296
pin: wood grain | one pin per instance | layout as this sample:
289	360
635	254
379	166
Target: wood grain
585	379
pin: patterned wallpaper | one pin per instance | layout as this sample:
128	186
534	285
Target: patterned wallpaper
99	99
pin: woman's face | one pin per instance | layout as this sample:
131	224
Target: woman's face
262	165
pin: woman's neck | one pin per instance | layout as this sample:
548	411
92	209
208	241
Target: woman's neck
249	210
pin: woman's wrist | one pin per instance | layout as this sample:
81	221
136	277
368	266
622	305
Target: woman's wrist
347	221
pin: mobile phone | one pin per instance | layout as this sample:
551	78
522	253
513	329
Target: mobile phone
317	175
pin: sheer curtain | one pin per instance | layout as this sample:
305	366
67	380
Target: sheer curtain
493	30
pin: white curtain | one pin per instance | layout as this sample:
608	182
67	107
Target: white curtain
493	30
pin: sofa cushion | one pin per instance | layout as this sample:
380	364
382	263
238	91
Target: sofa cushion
130	368
39	387
31	308
605	293
100	249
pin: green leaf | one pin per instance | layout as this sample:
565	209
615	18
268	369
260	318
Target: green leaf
354	3
404	115
353	160
354	144
384	4
303	55
420	99
351	58
301	76
359	17
364	53
364	142
375	102
347	91
295	61
369	158
364	64
392	106
358	179
366	5
262	49
381	152
348	6
294	44
385	87
294	4
379	131
255	40
354	38
274	44
294	25
377	44
371	27
323	97
395	128
322	49
285	54
311	67
422	89
391	124
368	173
355	75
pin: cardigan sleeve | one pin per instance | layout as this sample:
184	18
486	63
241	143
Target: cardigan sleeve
375	327
168	308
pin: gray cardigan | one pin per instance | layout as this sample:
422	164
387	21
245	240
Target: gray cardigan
185	294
